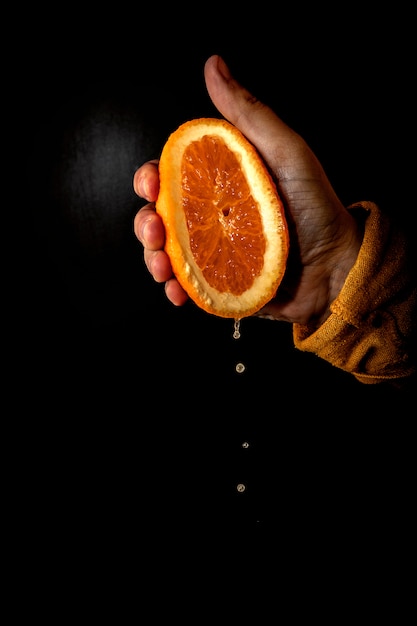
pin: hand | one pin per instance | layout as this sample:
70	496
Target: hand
324	236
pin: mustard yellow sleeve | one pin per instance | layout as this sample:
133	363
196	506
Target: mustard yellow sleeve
371	329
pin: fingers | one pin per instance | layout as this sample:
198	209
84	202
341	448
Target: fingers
148	226
149	230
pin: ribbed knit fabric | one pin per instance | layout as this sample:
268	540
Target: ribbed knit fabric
371	330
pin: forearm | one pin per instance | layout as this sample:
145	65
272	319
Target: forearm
371	329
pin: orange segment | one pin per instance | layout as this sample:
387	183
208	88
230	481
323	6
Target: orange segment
224	225
226	232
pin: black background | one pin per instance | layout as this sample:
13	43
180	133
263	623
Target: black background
130	413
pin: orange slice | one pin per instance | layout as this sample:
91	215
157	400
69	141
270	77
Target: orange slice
226	232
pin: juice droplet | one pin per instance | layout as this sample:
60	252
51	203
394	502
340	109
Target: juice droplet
236	331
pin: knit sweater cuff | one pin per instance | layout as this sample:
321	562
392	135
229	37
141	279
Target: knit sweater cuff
368	332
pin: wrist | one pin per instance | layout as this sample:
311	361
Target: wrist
341	264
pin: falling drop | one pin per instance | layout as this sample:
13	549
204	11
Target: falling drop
239	367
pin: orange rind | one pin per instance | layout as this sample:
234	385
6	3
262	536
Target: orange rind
226	232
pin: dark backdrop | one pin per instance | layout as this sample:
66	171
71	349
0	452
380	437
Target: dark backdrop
133	416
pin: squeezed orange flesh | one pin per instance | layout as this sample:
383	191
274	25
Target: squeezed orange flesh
223	218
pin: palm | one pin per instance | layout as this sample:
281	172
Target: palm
318	223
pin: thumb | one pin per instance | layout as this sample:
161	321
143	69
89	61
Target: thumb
264	129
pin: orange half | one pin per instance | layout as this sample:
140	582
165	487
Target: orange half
226	232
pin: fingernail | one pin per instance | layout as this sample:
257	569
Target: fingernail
142	234
143	185
137	183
